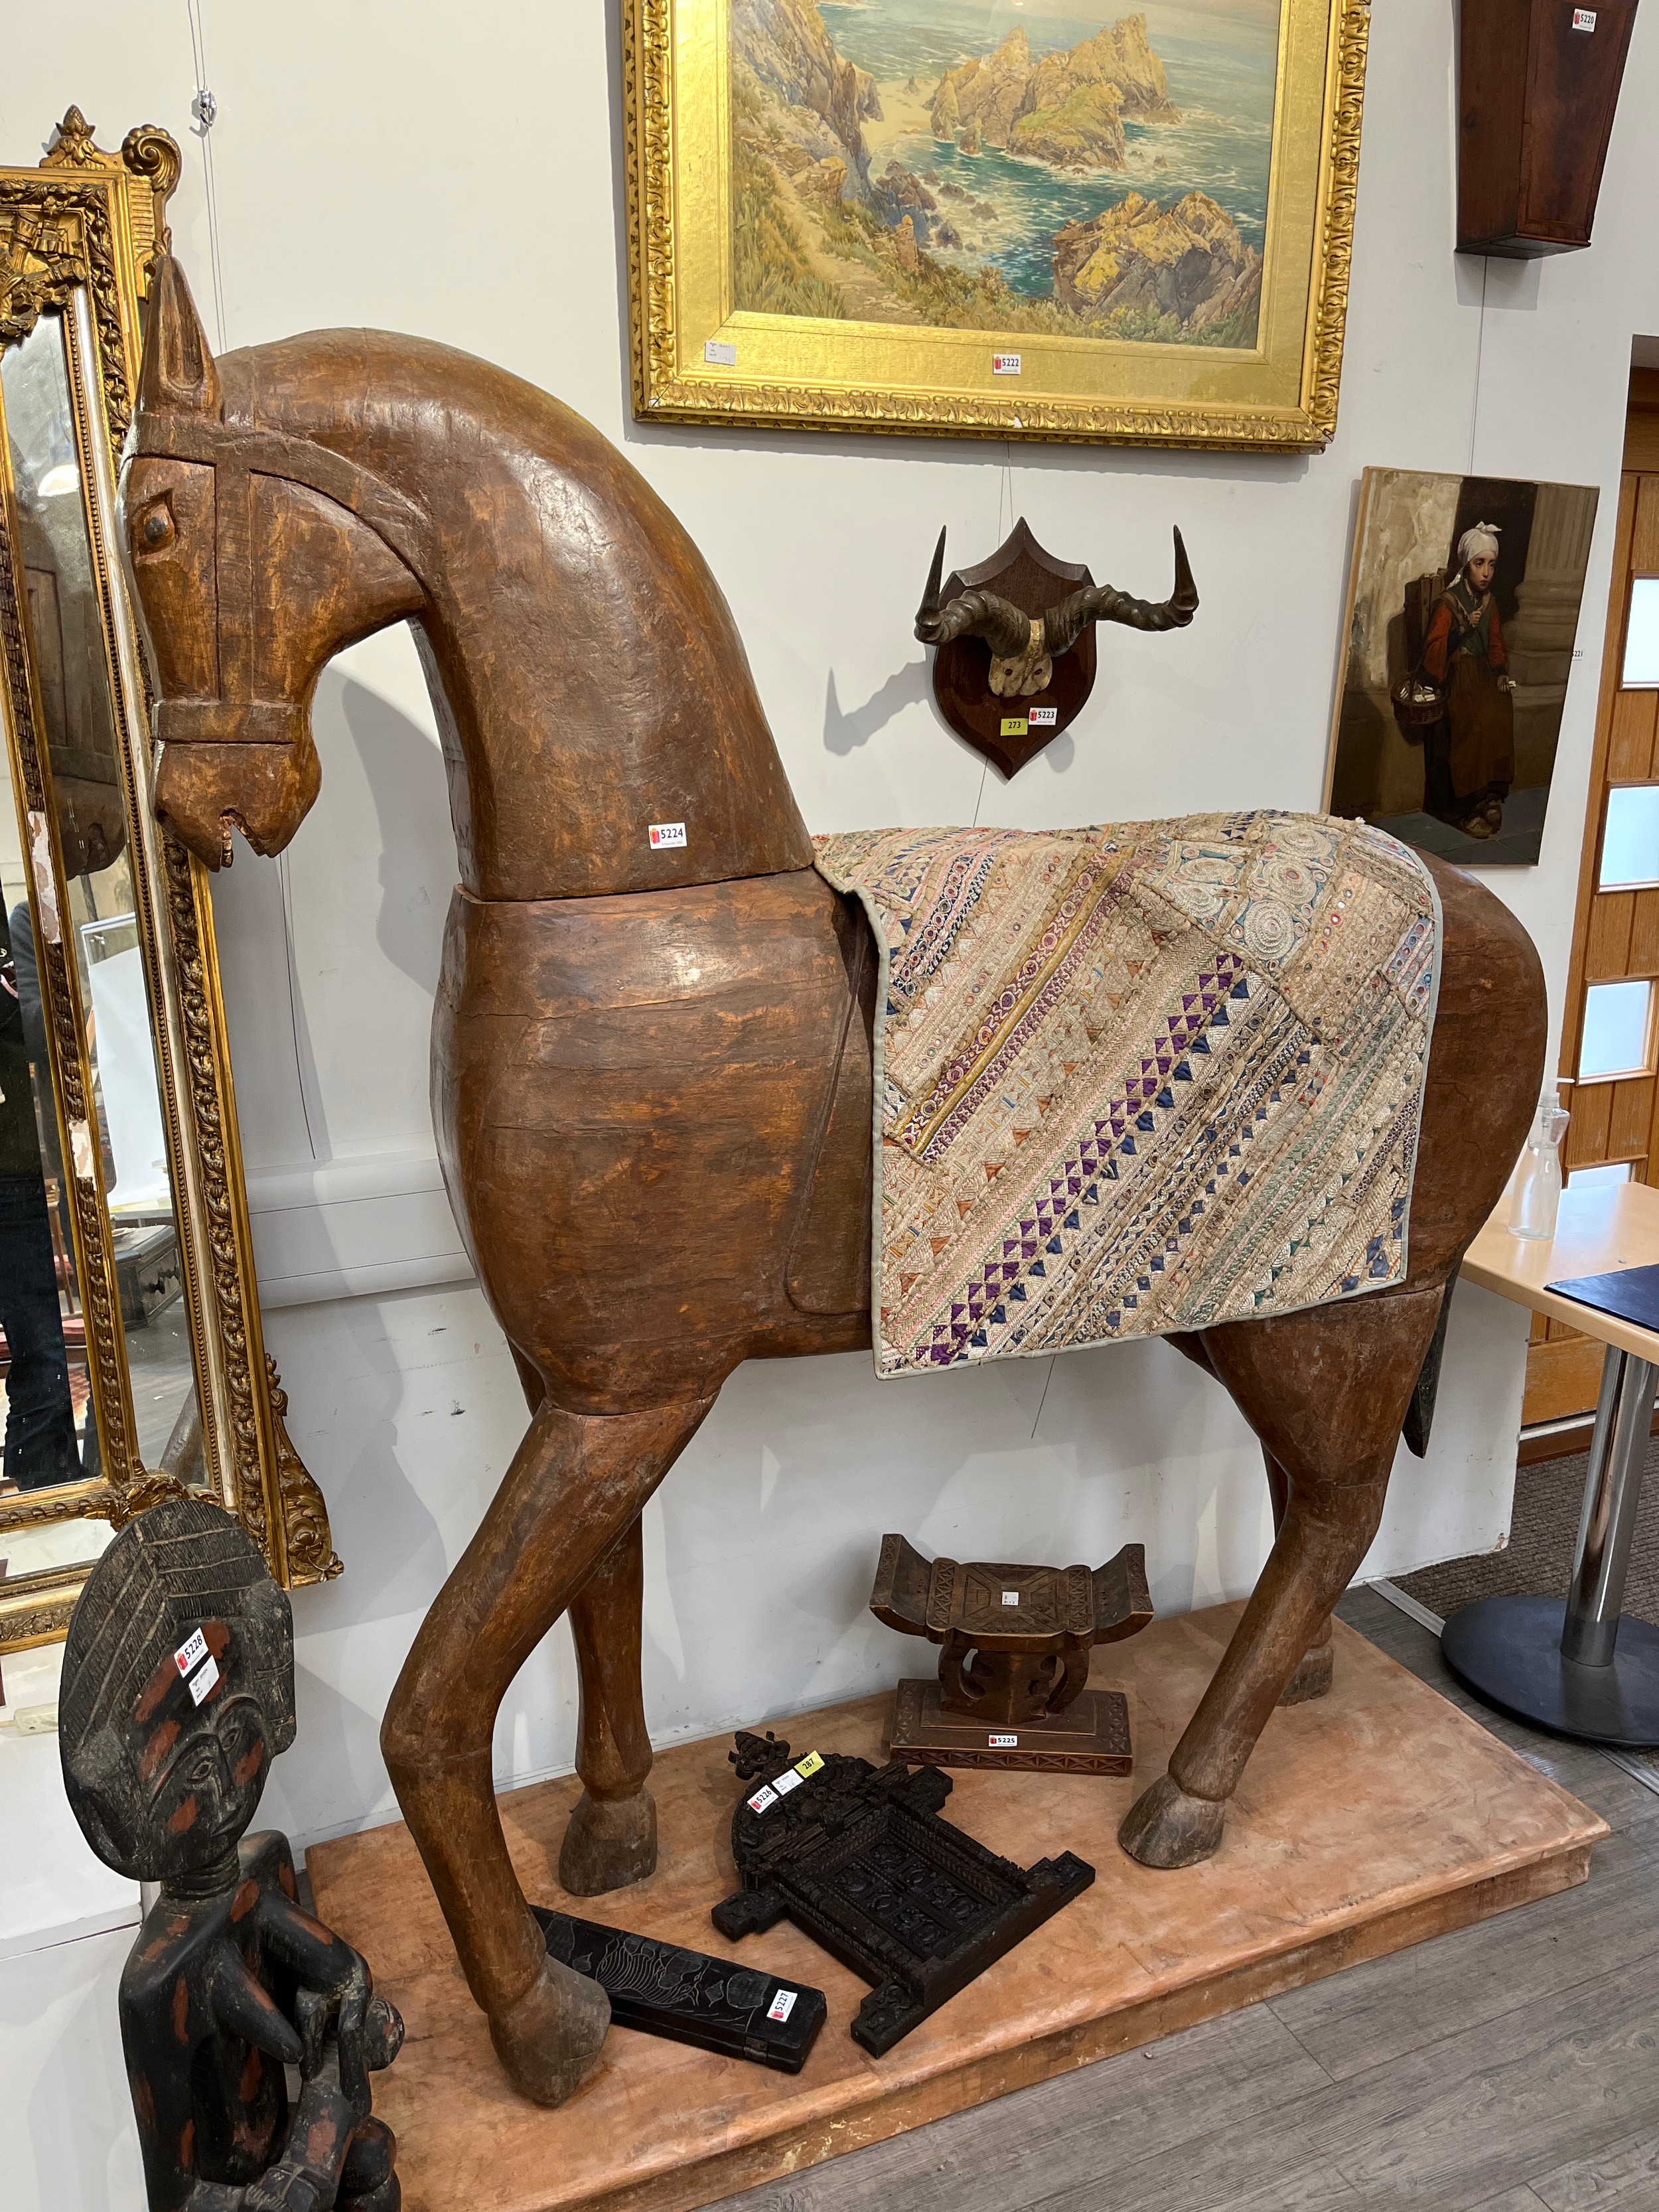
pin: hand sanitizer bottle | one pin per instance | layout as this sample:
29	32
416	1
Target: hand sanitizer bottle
1537	1195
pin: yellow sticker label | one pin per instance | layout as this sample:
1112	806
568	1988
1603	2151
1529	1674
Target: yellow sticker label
810	1764
1013	726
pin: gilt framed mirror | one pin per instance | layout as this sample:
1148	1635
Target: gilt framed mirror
132	1365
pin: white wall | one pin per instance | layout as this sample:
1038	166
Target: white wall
456	172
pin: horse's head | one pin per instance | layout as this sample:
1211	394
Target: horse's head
257	556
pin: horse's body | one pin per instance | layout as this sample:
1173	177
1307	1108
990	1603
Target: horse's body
651	1067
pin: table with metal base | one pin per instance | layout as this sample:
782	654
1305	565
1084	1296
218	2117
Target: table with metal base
1579	1669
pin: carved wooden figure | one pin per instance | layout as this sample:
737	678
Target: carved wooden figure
651	1062
1013	1669
178	1692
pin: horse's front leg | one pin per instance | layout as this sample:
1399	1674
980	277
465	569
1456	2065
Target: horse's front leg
611	1839
575	1487
1326	1391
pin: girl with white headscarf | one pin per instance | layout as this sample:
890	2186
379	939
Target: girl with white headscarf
1469	756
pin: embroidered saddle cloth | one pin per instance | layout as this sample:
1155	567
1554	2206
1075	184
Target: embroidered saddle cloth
1139	1077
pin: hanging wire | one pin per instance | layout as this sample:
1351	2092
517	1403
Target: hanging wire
205	108
1480	357
980	801
1005	523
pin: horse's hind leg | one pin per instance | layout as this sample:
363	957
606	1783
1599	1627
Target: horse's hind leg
576	1484
1313	1673
1326	1391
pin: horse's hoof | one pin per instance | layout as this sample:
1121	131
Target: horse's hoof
609	1844
549	2041
1166	1828
1312	1678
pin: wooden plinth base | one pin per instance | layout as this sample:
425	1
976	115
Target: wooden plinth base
1367	1820
1092	1736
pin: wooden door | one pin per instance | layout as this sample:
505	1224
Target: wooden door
1610	1024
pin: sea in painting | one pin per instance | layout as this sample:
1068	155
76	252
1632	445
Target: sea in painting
1034	166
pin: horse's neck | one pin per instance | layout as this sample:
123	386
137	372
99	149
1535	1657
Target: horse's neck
587	676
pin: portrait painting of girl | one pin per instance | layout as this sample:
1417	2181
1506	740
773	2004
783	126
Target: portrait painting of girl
1463	601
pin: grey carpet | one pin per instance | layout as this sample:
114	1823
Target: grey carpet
1543	1533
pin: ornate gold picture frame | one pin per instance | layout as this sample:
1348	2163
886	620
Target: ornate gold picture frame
1021	221
144	1246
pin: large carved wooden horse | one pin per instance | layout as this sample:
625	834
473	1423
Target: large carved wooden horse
651	1067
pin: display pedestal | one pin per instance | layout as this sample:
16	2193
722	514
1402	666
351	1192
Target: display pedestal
1368	1819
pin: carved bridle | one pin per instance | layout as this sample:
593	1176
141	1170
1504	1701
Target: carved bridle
238	451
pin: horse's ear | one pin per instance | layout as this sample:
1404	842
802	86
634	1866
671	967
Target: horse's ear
178	376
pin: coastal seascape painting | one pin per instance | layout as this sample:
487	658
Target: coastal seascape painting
1084	176
1032	217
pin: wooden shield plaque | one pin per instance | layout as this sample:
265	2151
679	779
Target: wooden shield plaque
1020	572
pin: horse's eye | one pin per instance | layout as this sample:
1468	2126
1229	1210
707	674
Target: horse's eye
155	529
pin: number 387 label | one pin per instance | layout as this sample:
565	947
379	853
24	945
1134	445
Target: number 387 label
780	1785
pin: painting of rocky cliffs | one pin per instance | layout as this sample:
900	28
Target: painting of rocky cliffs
1038	167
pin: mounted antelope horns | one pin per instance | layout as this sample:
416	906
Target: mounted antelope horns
1100	603
969	614
179	376
1037	623
1008	631
930	600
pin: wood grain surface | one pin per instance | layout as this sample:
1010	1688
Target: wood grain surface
1370	1820
650	1052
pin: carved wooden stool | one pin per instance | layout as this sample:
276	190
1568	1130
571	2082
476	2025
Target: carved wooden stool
1011	1689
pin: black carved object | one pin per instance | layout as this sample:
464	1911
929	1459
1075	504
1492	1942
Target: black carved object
178	1692
688	1996
858	1856
1013	1669
1016	663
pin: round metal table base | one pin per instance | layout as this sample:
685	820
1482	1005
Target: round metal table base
1508	1651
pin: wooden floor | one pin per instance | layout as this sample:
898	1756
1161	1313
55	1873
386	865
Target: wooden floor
1509	2067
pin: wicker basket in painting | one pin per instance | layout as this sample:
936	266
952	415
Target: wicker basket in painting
1414	714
